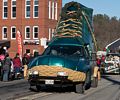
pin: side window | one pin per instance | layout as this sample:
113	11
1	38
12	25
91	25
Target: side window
27	32
47	51
36	8
5	9
35	32
33	63
27	9
4	32
13	32
27	50
13	9
86	52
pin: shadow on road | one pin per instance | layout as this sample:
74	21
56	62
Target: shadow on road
54	89
107	77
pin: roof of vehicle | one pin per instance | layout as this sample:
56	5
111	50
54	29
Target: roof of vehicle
67	41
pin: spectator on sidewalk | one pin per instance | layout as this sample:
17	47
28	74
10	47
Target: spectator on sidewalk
25	61
6	67
2	58
31	57
98	62
103	61
12	75
17	65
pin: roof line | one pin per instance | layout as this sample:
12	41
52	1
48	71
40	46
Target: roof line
112	43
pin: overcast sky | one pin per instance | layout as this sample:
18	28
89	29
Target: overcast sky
109	7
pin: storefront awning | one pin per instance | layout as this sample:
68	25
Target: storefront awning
4	43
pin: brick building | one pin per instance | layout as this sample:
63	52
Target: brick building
35	19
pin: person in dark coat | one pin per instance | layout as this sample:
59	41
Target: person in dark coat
6	67
31	57
17	65
25	61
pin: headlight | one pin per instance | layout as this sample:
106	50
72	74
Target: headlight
35	72
30	72
62	74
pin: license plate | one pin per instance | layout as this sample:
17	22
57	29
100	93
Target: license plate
49	81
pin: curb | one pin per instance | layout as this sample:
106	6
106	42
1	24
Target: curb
9	83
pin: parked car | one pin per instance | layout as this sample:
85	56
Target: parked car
111	64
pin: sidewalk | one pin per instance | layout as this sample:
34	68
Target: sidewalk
3	84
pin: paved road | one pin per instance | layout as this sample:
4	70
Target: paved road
108	89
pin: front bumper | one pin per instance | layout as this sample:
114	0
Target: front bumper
50	81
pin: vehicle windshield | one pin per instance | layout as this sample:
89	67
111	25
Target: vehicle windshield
64	50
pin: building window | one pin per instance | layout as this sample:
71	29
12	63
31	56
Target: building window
53	10
35	9
13	11
5	9
49	10
27	32
4	33
27	51
56	10
53	31
13	32
35	32
27	9
49	32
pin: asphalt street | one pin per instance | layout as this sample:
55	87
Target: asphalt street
108	89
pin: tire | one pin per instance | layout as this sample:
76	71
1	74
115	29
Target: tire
38	87
30	88
79	88
95	82
88	80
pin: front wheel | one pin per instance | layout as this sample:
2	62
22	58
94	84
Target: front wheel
79	88
88	80
38	87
